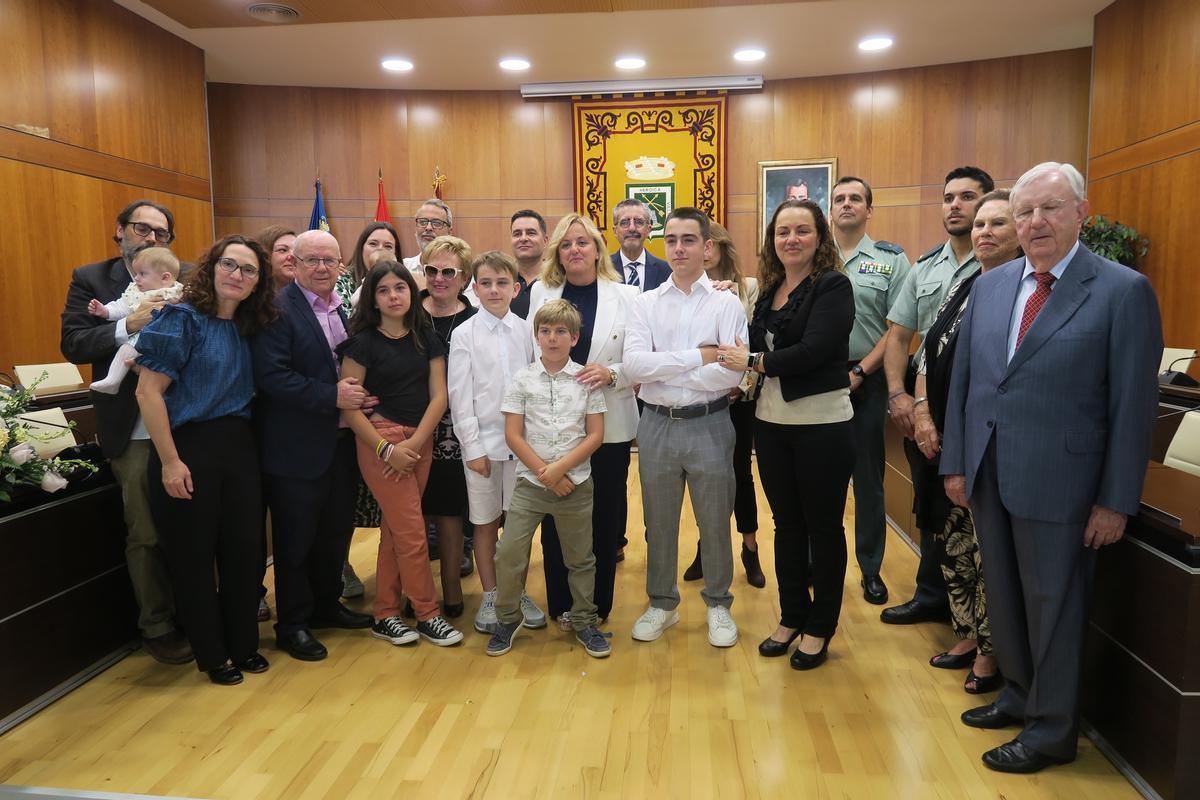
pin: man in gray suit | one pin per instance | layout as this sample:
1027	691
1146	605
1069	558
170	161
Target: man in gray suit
1052	403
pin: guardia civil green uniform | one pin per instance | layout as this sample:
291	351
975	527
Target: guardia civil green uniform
877	271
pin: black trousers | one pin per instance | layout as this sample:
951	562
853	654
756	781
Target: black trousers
610	507
805	471
745	505
220	525
312	522
932	508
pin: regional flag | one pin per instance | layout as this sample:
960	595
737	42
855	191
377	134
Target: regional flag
381	212
318	220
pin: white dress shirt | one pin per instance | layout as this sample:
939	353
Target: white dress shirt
641	268
1025	290
555	408
485	353
662	339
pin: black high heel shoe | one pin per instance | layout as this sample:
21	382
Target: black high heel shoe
982	684
805	661
949	660
773	648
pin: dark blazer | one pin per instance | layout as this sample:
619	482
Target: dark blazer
1072	413
813	345
654	272
295	413
91	340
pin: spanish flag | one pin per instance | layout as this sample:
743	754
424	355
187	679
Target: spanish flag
381	213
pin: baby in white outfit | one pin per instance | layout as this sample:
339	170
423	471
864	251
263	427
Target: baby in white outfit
155	275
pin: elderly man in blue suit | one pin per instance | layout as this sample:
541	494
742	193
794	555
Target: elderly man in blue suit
636	265
1052	404
307	456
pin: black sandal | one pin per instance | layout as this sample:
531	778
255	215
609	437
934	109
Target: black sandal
982	684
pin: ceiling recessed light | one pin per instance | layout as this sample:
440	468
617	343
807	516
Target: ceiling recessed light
750	54
396	65
514	64
630	62
875	43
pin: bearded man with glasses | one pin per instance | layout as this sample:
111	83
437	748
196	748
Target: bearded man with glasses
87	339
433	219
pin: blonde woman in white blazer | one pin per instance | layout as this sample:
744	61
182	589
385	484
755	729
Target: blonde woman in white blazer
724	265
576	267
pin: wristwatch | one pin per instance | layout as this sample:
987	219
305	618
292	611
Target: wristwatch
752	360
858	370
612	377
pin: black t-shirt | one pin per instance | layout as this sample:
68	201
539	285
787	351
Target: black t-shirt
396	372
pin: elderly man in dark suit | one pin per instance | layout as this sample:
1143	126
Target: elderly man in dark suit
1048	426
87	339
636	266
307	456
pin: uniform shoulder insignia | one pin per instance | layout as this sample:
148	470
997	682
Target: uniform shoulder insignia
889	247
930	254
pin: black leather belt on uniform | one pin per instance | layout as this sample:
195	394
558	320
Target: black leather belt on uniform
690	412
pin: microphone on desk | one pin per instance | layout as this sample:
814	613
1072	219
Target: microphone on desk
1170	378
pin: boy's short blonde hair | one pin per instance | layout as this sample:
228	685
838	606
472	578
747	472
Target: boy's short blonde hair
497	260
558	312
159	259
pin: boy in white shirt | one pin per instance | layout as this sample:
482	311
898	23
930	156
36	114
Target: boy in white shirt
553	424
485	353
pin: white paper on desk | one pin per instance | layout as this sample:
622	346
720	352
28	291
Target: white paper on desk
62	377
46	424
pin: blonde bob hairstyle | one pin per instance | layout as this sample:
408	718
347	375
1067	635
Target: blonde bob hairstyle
455	247
553	274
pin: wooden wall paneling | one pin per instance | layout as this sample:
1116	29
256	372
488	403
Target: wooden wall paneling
240	139
475	155
384	120
1145	78
560	181
23	95
896	136
521	136
69	77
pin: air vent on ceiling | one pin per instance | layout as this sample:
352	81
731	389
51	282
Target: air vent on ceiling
275	13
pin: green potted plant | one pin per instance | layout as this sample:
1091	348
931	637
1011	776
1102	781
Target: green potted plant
1112	240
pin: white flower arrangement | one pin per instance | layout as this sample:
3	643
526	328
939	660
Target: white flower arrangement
20	465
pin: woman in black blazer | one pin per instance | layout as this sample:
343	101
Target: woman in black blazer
799	342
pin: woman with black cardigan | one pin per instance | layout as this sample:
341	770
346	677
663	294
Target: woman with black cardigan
799	343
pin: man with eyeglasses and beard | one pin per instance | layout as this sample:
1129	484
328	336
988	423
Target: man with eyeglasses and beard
306	452
87	339
636	266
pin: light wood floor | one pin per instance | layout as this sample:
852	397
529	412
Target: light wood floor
672	718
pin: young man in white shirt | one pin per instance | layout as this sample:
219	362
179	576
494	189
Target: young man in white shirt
485	353
685	436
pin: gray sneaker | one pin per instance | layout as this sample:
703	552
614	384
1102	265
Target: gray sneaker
351	585
534	616
594	642
502	638
485	618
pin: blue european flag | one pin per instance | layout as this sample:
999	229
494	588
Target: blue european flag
318	220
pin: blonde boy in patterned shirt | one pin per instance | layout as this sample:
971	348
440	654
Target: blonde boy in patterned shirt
553	424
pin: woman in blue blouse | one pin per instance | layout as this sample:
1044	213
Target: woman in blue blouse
194	393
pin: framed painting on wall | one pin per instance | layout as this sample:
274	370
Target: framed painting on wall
801	179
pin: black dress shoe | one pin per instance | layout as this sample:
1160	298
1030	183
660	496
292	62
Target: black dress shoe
989	717
170	648
913	612
341	617
953	660
803	661
773	648
695	570
256	663
754	573
302	645
874	590
226	675
982	684
1016	757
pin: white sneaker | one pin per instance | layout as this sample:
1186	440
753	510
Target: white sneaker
722	630
651	624
534	616
485	618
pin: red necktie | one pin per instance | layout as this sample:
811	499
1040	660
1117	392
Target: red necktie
1036	300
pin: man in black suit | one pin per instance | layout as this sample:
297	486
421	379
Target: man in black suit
87	339
307	456
632	224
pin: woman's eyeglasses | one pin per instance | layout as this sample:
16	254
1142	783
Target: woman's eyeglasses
249	271
446	273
